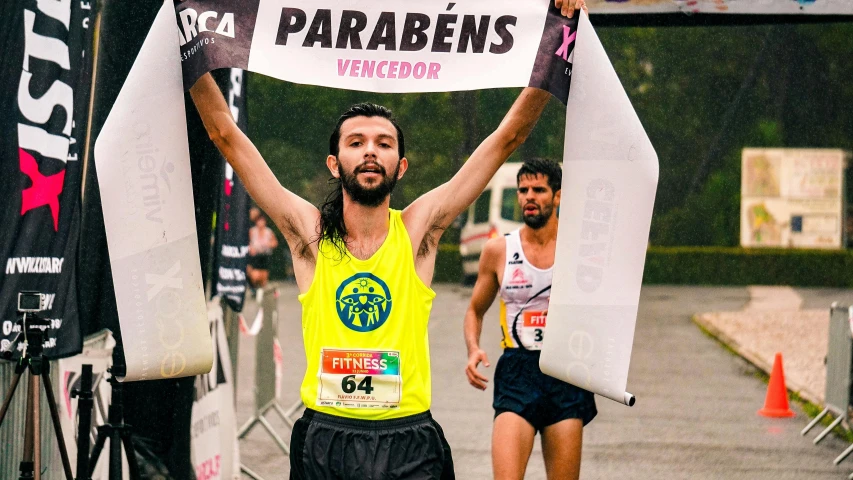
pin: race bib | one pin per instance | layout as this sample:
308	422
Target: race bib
533	329
359	379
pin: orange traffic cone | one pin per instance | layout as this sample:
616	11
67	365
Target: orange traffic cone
776	402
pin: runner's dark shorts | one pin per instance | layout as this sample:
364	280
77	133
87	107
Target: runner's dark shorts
260	261
521	388
325	446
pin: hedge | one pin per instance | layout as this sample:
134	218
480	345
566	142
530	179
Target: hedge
756	266
716	266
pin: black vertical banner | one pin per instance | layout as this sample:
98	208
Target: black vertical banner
232	220
45	69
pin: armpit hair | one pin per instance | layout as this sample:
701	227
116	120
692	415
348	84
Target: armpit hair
433	233
301	249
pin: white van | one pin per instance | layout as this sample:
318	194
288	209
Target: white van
496	212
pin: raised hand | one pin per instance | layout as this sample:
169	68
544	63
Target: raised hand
568	7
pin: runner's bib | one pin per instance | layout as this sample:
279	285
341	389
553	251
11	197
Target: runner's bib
533	328
359	379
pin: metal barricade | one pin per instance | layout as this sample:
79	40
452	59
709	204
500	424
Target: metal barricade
265	380
839	374
839	359
231	320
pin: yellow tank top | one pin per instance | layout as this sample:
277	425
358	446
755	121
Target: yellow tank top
364	324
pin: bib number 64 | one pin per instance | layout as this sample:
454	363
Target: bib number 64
348	384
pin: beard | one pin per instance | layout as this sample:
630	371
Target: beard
538	220
368	196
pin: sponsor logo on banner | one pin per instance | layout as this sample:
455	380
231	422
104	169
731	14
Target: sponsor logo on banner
231	251
169	311
50	265
36	134
154	171
44	191
596	238
363	302
581	346
193	23
568	42
553	65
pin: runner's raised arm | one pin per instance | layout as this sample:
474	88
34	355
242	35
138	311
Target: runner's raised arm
294	216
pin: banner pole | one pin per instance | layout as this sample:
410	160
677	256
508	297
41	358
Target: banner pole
96	35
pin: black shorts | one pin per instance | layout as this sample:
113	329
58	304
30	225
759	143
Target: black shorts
325	446
542	400
260	261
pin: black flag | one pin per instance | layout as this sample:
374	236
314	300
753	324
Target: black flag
232	230
46	64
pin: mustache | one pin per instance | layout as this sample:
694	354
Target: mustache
372	165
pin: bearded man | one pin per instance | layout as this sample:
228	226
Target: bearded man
519	266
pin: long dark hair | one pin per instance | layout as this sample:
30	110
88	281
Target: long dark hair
332	228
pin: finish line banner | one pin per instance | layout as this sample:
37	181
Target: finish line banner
395	47
758	7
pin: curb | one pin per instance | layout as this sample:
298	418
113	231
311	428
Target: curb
754	359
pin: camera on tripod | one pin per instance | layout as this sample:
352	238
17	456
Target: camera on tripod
31	302
32	362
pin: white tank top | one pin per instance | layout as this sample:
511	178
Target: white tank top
525	291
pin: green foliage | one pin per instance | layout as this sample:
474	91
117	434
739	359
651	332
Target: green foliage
448	264
738	266
684	83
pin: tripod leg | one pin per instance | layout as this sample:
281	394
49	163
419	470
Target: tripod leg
36	395
8	399
54	416
115	455
130	451
100	440
27	457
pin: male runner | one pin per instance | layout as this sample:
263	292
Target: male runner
364	273
262	242
526	401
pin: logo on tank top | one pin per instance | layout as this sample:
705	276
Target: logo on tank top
515	259
363	302
518	277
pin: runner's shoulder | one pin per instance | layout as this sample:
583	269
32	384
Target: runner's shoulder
494	250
